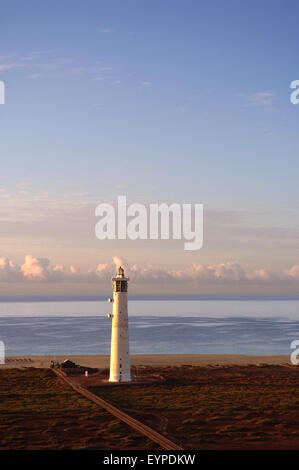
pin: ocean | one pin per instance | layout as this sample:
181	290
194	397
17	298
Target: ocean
265	327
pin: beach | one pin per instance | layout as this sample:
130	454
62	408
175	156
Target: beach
161	360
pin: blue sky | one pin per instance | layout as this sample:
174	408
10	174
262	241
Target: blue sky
175	101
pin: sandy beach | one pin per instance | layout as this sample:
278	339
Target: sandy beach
149	360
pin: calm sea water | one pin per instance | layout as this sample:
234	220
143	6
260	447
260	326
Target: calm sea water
172	327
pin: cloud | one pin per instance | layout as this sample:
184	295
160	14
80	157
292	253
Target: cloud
106	31
73	270
5	67
222	272
36	269
9	271
34	55
102	268
37	64
151	274
119	261
261	99
261	274
25	206
293	272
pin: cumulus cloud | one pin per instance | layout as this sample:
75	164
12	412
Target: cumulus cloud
118	261
151	274
227	271
73	269
9	271
261	274
36	269
293	272
103	270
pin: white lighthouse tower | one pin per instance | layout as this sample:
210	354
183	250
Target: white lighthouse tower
120	354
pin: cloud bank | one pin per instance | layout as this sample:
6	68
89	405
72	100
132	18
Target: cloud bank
36	269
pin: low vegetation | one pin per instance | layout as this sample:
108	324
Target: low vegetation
217	407
39	411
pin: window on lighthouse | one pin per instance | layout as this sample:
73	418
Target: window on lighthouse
121	286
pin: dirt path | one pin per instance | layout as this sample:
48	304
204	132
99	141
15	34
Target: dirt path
163	441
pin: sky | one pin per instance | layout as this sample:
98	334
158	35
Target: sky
174	101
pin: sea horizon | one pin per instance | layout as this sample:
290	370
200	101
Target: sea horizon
156	327
102	298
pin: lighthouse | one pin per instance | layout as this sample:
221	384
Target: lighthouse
120	354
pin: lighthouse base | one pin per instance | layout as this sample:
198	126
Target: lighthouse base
120	378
